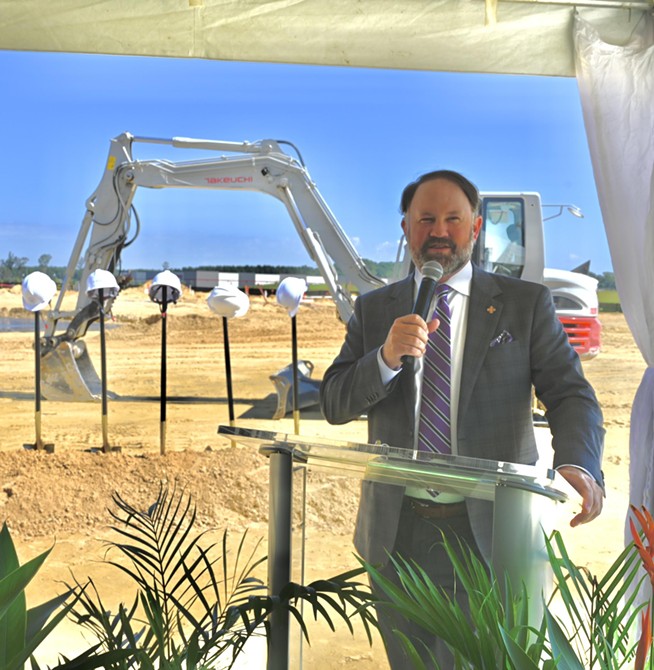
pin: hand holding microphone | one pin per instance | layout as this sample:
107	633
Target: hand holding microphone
432	271
407	337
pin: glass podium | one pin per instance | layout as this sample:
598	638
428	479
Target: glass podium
522	496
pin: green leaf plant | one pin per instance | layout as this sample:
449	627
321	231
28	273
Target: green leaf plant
21	629
600	612
497	630
196	606
598	627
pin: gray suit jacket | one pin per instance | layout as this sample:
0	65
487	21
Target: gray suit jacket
495	408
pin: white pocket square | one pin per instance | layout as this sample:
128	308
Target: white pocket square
503	338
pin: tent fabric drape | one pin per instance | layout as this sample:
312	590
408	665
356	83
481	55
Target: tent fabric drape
616	85
464	36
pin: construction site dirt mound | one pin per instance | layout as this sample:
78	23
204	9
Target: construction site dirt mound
62	499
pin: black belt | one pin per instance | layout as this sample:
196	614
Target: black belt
433	510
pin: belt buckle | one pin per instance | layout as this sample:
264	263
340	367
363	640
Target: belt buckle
422	504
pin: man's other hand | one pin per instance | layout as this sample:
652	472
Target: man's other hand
590	491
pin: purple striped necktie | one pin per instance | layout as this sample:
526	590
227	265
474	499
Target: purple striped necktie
434	429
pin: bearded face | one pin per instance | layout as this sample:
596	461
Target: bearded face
441	225
449	254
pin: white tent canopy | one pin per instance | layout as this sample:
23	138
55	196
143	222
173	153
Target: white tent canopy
496	36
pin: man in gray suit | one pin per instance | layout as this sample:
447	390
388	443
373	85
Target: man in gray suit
505	338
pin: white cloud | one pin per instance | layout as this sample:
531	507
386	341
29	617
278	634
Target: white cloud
386	251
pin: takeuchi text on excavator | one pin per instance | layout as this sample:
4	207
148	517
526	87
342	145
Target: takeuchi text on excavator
511	242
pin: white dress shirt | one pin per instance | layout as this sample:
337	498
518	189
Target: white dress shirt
458	301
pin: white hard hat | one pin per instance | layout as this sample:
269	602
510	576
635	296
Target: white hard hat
38	291
101	279
228	301
171	281
290	292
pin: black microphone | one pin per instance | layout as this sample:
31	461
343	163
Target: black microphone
432	271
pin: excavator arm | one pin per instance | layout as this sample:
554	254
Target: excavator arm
111	224
260	166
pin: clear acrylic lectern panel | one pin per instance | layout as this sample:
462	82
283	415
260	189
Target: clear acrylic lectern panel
522	497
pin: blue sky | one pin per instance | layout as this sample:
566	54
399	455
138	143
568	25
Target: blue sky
363	134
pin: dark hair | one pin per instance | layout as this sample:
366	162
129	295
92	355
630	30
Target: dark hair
468	188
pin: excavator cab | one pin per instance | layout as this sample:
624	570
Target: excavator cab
506	243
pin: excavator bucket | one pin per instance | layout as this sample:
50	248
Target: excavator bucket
308	389
68	374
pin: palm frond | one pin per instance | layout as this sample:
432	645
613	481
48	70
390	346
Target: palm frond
600	612
194	607
479	639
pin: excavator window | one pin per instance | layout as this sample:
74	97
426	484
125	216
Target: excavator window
500	247
562	302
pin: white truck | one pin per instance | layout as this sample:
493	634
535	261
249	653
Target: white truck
511	241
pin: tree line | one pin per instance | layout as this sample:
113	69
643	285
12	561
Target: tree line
379	268
14	268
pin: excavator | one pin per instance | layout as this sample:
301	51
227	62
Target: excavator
511	242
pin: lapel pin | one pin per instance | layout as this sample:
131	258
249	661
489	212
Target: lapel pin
491	309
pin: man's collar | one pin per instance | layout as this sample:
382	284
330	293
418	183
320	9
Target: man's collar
459	282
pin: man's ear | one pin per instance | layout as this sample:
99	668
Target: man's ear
405	226
477	226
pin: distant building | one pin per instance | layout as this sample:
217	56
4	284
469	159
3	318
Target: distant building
205	280
140	277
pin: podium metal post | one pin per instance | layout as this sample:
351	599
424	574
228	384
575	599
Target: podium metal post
279	551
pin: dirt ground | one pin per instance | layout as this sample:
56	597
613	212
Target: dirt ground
63	498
